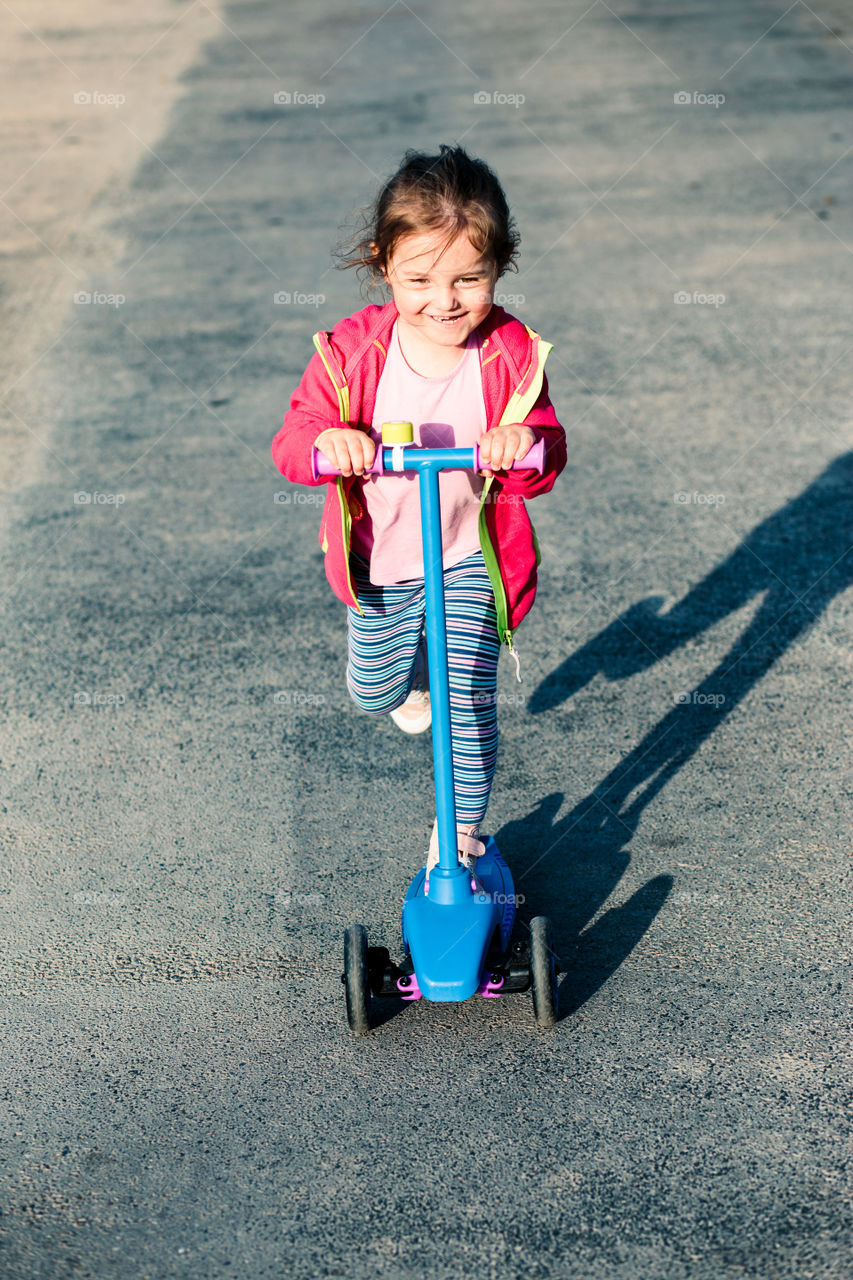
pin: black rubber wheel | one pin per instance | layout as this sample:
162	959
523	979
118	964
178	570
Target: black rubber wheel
357	983
543	971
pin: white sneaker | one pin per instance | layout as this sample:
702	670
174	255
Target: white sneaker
469	849
415	714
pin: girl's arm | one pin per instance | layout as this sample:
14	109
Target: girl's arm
313	409
542	421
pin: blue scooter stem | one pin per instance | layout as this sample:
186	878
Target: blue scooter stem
449	881
439	683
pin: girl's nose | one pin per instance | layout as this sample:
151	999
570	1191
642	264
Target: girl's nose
446	298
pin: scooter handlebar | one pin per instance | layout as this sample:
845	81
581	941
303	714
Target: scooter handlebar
533	460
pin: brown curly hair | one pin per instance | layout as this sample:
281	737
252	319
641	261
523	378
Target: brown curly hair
447	193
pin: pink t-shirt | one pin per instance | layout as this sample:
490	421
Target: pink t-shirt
446	412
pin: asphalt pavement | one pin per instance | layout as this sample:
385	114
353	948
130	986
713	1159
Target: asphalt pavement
193	809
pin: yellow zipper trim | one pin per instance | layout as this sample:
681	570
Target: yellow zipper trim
492	567
517	409
519	406
342	392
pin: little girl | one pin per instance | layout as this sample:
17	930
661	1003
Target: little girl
441	355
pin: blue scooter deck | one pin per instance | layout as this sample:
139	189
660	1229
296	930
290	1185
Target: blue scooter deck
448	944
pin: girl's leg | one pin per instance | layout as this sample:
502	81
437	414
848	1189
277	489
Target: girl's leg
473	649
383	646
383	642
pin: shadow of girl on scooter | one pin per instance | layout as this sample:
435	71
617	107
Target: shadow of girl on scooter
801	557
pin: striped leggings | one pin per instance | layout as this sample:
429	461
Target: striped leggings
383	644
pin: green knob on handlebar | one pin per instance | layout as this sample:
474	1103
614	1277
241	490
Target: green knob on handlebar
397	433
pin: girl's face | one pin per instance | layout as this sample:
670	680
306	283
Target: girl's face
441	296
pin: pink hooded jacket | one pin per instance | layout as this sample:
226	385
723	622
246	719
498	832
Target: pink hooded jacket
339	388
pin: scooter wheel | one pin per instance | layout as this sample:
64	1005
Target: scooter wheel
543	971
357	983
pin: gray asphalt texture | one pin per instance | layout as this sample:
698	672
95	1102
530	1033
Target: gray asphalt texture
193	809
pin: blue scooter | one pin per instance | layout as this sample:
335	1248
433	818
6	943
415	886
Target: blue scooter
457	936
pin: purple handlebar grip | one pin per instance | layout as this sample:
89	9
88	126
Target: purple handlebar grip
321	466
533	460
